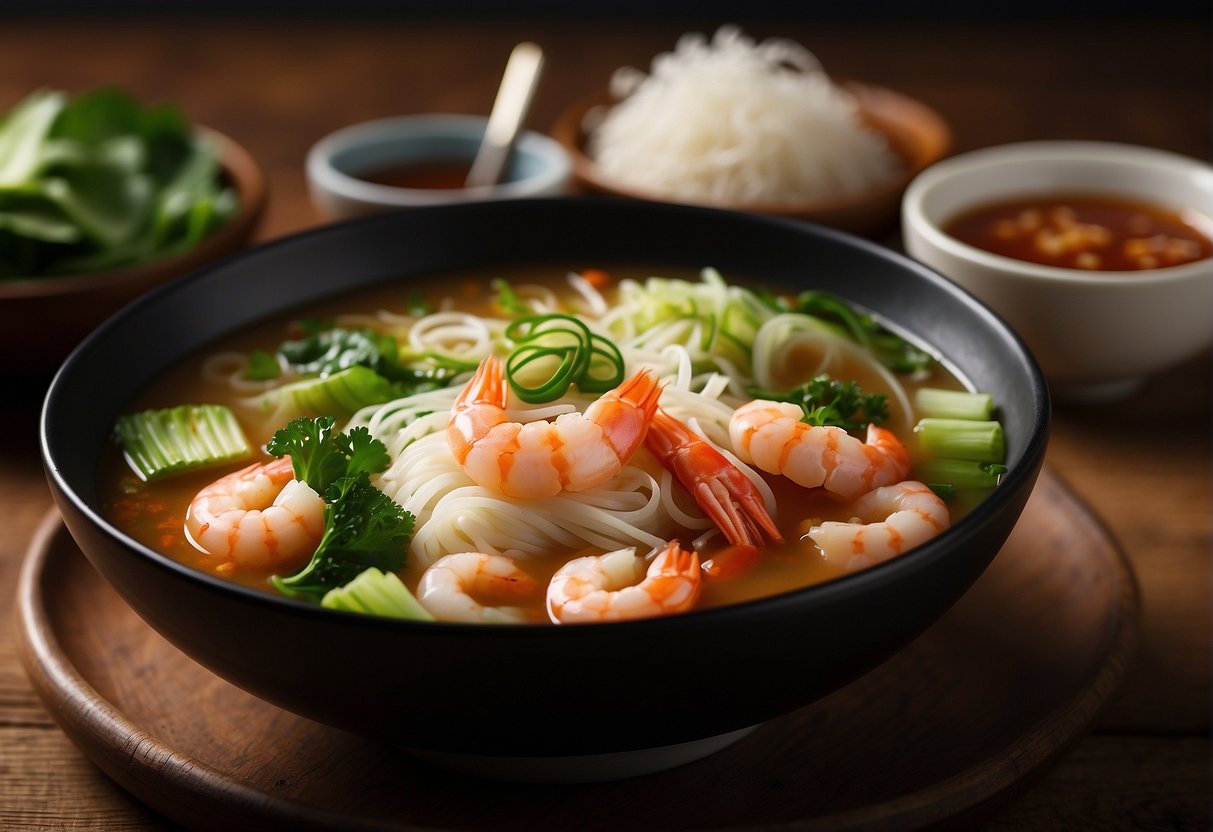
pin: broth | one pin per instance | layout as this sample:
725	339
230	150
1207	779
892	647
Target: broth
154	513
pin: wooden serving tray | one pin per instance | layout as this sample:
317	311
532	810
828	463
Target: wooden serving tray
948	730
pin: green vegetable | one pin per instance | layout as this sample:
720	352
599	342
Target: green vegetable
343	392
959	473
262	366
376	593
159	443
321	456
327	350
891	349
827	402
931	402
96	181
507	300
416	305
582	357
331	350
978	441
363	527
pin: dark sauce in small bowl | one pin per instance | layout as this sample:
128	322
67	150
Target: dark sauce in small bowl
1088	232
434	174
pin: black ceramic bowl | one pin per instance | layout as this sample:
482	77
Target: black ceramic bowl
461	693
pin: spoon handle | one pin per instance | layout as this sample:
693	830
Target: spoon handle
509	111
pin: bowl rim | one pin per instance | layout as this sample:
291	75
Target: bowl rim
1019	477
556	169
249	181
569	131
975	164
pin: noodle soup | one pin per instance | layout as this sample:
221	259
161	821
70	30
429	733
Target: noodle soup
393	365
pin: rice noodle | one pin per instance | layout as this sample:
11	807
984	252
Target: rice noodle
732	122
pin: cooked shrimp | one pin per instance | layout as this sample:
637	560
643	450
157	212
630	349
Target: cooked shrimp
887	522
540	459
724	493
771	436
605	588
449	589
257	517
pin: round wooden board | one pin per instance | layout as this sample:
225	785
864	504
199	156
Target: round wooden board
948	730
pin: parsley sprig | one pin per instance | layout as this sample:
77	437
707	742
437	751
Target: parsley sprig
363	527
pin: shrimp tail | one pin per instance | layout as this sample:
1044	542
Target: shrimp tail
738	512
721	490
487	385
625	427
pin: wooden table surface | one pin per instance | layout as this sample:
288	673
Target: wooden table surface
1143	466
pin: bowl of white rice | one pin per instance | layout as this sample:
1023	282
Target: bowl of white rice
732	123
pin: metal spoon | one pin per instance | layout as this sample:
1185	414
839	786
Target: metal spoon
509	112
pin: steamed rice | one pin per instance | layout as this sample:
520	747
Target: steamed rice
732	122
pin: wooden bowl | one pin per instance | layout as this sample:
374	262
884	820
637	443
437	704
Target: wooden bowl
43	319
916	133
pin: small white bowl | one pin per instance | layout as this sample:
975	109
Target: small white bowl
1097	335
539	165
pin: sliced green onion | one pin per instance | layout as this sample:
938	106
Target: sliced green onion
932	402
581	357
376	593
980	441
159	443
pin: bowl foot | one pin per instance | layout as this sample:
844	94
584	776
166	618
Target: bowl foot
583	768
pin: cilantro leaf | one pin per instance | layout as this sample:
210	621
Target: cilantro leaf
314	453
827	402
365	453
321	456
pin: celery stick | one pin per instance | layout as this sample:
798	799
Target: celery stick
159	443
959	473
932	402
980	441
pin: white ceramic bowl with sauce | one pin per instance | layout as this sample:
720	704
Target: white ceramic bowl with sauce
340	165
1096	334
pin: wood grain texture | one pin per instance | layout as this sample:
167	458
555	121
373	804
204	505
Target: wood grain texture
277	86
949	727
